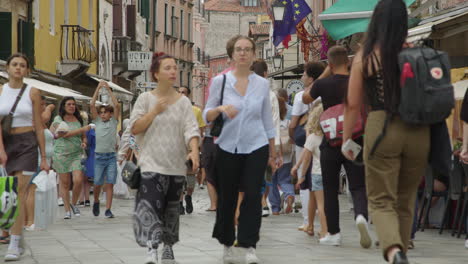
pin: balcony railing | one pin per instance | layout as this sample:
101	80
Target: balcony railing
121	45
76	44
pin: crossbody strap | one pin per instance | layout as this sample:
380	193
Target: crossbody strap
222	89
18	98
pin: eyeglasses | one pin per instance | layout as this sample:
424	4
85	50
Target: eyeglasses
246	50
182	92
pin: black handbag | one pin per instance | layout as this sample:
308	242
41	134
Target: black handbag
7	120
219	121
131	173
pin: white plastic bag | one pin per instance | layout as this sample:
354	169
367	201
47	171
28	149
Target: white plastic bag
120	188
41	181
45	209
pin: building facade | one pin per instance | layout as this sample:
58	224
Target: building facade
200	57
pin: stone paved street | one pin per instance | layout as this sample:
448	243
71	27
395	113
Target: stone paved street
110	241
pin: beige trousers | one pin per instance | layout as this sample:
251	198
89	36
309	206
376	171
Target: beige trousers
393	174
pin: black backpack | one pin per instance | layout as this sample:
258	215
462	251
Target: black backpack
427	95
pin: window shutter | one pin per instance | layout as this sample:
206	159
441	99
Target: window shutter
5	28
145	12
117	18
131	21
26	39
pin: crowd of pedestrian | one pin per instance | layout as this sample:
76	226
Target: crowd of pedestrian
254	149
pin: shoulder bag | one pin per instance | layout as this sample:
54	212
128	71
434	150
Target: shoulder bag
7	120
331	122
131	173
219	121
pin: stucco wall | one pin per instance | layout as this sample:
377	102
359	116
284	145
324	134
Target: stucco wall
105	39
223	26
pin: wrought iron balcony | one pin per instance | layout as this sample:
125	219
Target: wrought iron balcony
77	44
121	45
77	51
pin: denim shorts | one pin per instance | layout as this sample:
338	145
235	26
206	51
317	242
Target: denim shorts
105	168
317	182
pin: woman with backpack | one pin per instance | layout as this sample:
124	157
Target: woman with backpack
394	170
18	146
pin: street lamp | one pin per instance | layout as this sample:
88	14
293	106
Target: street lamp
278	10
277	59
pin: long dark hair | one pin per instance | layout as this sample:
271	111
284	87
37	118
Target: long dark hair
387	33
62	111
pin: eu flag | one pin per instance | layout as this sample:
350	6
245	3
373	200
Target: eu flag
295	11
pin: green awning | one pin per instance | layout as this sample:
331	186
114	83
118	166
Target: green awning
347	17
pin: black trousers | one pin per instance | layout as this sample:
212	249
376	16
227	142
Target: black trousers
331	160
233	170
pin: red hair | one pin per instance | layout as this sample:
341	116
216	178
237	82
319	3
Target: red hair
156	62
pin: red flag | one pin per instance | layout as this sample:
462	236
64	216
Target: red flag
286	41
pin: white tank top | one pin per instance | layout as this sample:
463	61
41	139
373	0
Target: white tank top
23	116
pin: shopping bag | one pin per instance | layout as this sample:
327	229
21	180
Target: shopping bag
120	187
9	202
45	209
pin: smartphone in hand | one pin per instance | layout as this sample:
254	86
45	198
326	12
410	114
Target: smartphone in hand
352	146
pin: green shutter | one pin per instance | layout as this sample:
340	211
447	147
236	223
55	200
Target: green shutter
145	12
5	32
26	39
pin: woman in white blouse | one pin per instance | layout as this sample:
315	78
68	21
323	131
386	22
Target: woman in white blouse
245	147
165	127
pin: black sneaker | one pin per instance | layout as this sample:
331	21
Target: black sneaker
167	256
96	209
188	204
181	209
109	214
87	203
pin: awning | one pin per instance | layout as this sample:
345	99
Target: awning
347	17
440	27
114	86
293	72
50	88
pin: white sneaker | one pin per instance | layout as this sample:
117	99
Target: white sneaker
301	227
361	224
265	211
331	240
29	228
60	201
466	244
251	256
13	255
152	256
228	255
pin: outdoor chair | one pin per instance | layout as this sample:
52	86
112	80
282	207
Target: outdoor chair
455	190
427	197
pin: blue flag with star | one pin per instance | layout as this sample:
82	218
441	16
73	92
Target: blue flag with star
295	11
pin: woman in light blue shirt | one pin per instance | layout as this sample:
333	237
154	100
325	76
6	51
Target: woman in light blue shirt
245	147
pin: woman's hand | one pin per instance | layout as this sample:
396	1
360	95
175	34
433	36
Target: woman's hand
273	164
84	145
3	157
464	156
161	106
194	156
279	162
44	165
294	172
229	110
299	182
